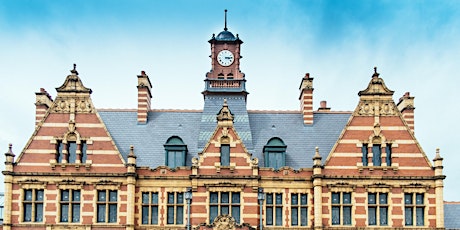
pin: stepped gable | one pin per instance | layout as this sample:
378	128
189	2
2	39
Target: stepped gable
378	124
71	136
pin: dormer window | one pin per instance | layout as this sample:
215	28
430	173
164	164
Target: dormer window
275	153
175	152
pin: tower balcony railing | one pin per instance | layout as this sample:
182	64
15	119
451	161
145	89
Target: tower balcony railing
225	84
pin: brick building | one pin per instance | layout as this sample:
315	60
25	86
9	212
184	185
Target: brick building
222	167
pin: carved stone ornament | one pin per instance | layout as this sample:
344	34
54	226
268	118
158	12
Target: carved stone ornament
83	106
366	109
224	222
387	109
62	106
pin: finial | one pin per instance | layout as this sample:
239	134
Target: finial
438	155
10	150
131	151
74	71
375	75
225	27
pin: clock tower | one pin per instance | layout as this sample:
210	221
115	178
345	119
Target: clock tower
225	82
225	75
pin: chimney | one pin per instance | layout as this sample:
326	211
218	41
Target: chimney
306	99
43	102
323	106
406	106
143	97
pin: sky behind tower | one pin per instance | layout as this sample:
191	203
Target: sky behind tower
414	44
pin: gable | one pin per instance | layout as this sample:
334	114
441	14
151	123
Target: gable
71	136
378	128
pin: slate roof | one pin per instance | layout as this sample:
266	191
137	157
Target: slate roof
451	215
193	127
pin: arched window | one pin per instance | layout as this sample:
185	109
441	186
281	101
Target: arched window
175	152
275	153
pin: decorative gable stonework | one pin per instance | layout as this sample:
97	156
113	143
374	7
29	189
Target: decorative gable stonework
223	167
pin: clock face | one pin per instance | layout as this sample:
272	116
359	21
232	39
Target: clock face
225	58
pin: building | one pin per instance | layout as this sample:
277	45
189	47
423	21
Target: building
223	167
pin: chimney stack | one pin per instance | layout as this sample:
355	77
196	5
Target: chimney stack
323	106
406	106
144	97
306	99
43	102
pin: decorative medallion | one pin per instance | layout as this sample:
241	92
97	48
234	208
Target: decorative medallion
224	222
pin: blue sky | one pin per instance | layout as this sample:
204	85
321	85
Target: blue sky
414	44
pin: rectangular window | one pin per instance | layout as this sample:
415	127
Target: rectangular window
388	152
107	206
364	152
72	151
274	209
150	208
341	208
33	205
175	208
376	155
299	209
70	206
414	205
378	209
175	158
59	151
83	148
225	155
275	159
224	203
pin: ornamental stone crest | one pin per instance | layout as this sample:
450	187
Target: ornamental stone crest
224	222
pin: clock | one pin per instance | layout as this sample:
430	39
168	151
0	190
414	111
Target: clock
225	58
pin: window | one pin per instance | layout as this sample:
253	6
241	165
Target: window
414	209
175	208
378	209
274	209
225	155
70	206
175	152
341	208
388	152
149	208
71	155
224	203
275	153
376	155
364	151
33	205
299	210
107	206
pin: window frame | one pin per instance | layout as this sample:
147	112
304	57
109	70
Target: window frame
34	206
149	206
378	206
341	206
273	208
232	205
175	206
71	203
301	209
414	206
107	204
